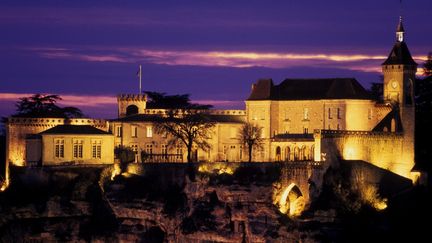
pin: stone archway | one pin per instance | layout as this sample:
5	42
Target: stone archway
291	201
131	110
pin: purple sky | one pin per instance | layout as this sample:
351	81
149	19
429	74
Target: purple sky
213	50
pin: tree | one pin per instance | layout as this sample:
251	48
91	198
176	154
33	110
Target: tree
124	154
376	90
188	127
251	135
427	65
162	101
40	105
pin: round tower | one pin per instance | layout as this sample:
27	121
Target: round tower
131	104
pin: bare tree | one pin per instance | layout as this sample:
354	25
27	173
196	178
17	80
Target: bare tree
251	135
188	127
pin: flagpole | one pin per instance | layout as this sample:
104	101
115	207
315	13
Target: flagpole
140	75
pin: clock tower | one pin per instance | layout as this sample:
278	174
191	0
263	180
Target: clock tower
399	75
399	72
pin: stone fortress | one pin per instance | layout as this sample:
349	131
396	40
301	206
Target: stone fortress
317	120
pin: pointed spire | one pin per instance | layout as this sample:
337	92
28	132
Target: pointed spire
400	31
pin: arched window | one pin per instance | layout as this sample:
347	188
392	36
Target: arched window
131	110
306	153
312	153
287	154
296	153
278	153
393	125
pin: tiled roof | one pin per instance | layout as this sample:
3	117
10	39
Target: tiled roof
74	129
400	55
309	89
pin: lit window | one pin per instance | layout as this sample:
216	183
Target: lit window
118	131
338	113
164	149
149	148
149	131
59	148
134	131
96	149
329	113
306	114
78	149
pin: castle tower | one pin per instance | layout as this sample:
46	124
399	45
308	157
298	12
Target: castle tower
131	104
399	76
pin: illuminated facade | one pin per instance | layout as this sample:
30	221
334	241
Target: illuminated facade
302	120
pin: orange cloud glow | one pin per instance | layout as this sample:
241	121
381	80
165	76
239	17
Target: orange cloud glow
225	58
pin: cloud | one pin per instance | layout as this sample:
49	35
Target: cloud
108	101
68	99
238	59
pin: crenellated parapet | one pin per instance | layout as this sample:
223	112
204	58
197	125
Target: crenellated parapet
209	112
132	97
341	133
52	122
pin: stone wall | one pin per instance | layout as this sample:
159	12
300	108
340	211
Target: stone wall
382	149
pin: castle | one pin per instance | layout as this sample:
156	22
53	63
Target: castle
302	119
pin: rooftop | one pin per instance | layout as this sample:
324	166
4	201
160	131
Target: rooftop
400	55
74	129
309	89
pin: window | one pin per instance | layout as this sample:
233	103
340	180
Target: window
164	149
134	131
338	113
305	130
118	131
78	149
179	152
149	131
329	113
149	148
305	114
59	148
338	127
241	152
96	149
134	147
369	113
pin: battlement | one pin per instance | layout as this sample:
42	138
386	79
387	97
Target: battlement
132	97
210	112
29	121
341	133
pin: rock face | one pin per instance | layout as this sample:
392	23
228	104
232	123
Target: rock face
151	204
